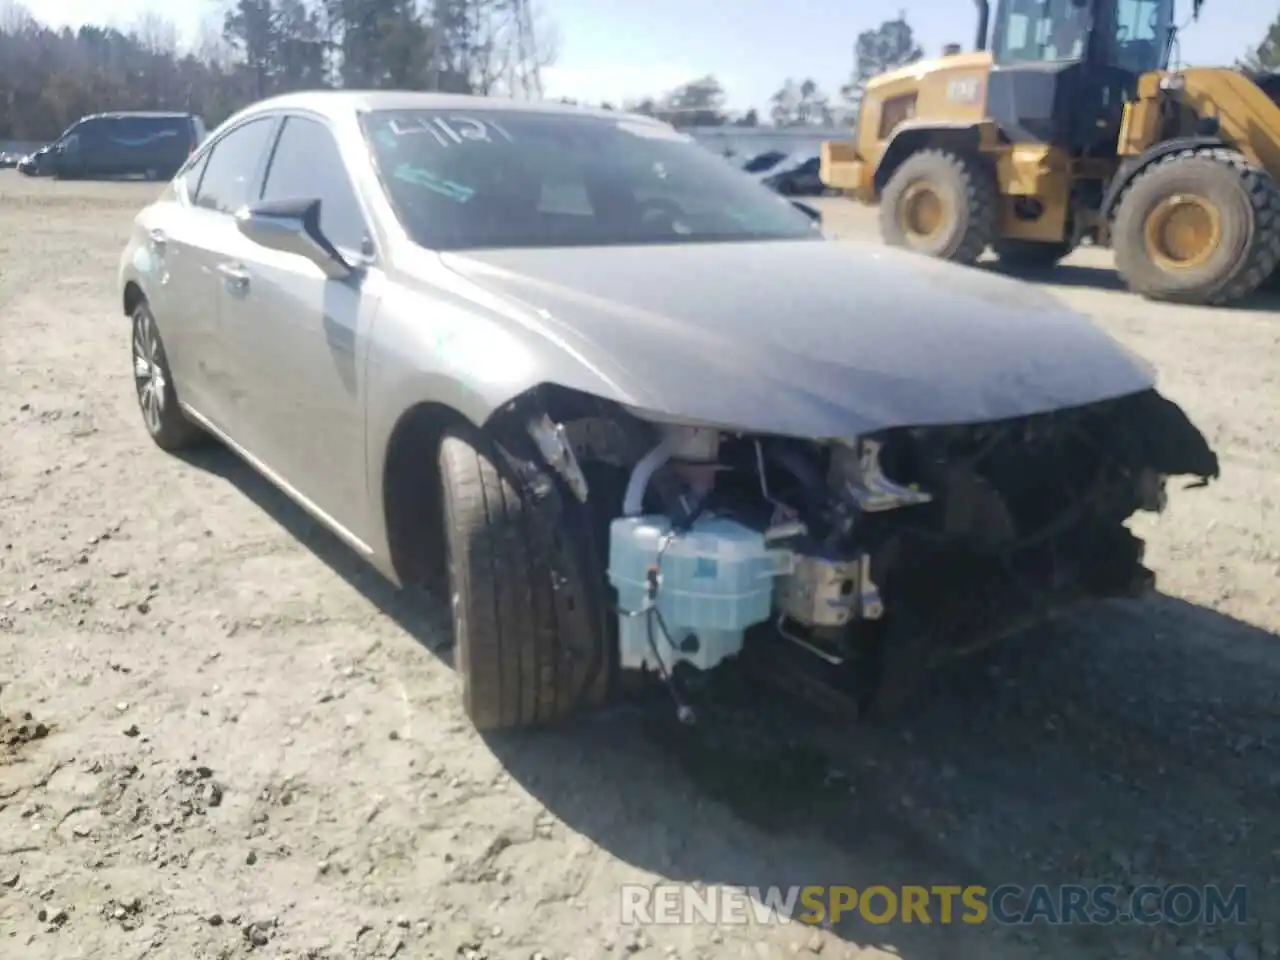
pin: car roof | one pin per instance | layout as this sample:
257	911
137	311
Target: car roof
334	102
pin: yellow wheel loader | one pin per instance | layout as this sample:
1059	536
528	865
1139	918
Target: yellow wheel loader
1072	126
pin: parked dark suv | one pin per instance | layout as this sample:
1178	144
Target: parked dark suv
154	145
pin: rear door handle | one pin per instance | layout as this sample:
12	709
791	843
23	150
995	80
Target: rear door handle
234	275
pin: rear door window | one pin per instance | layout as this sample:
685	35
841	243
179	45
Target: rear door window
230	174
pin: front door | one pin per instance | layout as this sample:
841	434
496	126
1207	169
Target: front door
69	155
296	338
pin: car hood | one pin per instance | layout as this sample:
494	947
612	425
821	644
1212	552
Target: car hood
822	338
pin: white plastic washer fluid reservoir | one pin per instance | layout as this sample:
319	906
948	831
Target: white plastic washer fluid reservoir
716	582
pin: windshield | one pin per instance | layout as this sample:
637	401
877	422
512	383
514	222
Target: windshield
498	178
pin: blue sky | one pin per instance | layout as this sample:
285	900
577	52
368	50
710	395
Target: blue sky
611	50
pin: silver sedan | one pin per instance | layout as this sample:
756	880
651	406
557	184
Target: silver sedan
627	408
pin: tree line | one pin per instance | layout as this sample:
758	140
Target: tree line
51	77
257	48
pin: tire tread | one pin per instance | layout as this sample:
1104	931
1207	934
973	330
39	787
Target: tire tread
1262	258
979	193
514	669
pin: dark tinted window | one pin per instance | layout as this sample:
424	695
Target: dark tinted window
82	134
159	132
307	164
229	176
498	178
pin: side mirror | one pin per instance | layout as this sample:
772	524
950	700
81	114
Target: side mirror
813	213
293	226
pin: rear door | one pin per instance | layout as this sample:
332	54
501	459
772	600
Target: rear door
295	337
198	240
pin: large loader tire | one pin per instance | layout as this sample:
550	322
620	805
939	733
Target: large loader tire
941	204
1030	254
516	603
1201	227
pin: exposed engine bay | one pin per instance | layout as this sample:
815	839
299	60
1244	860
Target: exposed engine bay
862	562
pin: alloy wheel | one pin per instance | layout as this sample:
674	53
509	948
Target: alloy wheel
149	371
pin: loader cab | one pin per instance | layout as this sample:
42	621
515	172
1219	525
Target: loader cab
1062	69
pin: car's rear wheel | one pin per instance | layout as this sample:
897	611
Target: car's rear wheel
153	382
524	646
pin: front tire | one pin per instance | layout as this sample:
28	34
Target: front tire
514	654
167	425
941	204
1199	227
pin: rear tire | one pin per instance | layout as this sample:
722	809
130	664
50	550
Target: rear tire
167	425
511	650
941	204
1030	254
1227	242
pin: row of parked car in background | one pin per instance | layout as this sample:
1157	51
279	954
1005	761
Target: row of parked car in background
791	174
155	144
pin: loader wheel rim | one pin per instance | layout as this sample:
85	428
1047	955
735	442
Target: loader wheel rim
923	212
1183	231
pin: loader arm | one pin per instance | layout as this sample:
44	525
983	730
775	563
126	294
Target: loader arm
1247	117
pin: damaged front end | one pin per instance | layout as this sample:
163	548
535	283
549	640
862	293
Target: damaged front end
848	566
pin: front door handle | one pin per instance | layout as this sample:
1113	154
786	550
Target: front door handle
235	276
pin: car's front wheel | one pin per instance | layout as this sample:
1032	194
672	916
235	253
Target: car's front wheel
153	382
524	644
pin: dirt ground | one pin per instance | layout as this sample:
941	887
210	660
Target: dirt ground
222	736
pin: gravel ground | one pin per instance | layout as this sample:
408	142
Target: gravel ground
220	736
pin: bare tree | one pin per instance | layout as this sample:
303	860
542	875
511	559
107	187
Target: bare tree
15	17
156	34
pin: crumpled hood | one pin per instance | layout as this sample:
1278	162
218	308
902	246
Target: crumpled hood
822	338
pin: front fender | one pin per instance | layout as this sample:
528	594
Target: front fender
915	135
451	345
1133	166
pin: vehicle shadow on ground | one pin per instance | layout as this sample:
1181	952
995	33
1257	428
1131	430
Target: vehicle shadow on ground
418	613
1062	275
1032	736
1151	729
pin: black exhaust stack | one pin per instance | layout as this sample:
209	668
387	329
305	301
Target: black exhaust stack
984	21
